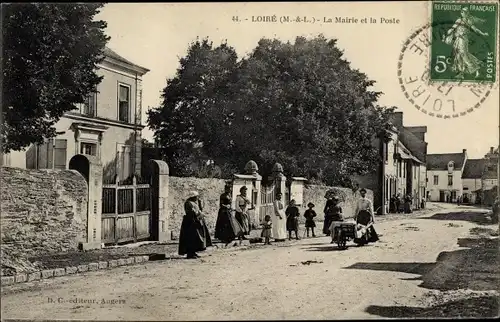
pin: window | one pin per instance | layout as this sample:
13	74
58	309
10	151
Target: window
399	168
386	152
436	180
89	106
450	180
124	158
123	103
88	148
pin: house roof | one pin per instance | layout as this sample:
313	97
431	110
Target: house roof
474	168
406	154
112	54
416	146
440	161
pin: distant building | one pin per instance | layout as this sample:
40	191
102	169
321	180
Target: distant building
472	180
490	175
108	125
403	170
444	173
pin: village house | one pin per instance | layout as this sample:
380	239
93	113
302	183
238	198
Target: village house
403	170
490	176
445	176
481	175
108	125
472	180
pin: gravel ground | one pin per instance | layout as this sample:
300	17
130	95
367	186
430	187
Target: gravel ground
78	258
421	267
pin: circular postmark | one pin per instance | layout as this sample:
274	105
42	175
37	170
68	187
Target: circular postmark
444	99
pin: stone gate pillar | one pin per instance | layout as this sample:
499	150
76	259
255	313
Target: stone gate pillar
252	180
159	200
91	169
279	180
297	190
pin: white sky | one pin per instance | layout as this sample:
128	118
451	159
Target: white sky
155	35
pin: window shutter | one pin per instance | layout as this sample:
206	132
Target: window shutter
43	155
60	148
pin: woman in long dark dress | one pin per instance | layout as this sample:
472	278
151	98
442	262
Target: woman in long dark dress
242	206
226	227
328	216
332	212
194	236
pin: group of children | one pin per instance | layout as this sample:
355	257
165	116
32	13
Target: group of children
292	220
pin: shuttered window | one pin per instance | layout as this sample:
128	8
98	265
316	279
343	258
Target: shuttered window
60	148
49	155
123	103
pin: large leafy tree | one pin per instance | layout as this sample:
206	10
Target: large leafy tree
193	114
50	52
300	104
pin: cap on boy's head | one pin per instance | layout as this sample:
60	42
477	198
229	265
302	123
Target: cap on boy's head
310	205
244	188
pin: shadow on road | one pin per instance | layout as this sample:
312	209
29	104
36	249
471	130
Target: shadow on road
484	306
329	248
475	268
481	218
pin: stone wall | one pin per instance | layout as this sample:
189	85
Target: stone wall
316	195
210	191
42	211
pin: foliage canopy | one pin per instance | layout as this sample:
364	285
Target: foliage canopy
300	104
49	61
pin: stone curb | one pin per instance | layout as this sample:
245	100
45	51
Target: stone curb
70	270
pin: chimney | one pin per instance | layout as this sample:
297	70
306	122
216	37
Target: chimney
464	151
397	119
492	149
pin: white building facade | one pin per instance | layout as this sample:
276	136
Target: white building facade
444	176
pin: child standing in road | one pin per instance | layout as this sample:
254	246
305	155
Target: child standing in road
310	214
267	230
292	220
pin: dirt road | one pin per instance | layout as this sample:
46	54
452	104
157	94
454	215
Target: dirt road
308	280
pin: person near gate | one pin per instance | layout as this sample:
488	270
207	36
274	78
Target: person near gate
194	236
242	207
309	214
364	215
226	226
267	232
336	217
328	215
279	219
292	219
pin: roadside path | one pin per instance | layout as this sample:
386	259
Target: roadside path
308	280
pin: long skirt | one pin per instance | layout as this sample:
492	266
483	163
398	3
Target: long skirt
194	236
326	224
292	223
364	218
279	228
244	221
226	227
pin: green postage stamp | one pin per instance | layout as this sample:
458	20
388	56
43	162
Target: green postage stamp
464	41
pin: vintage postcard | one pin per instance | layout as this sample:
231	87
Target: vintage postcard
250	161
